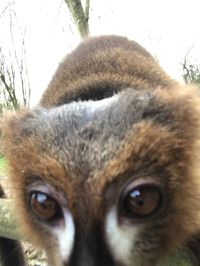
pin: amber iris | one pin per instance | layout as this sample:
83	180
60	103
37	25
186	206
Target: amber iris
142	201
43	206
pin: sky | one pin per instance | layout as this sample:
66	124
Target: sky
168	29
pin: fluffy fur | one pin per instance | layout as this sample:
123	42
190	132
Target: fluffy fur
88	147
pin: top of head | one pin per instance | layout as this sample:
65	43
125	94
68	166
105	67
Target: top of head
110	155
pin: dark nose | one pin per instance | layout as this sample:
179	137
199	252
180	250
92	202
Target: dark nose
90	249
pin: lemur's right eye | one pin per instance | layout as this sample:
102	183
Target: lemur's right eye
44	207
140	201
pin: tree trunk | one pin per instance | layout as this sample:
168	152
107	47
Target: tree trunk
80	16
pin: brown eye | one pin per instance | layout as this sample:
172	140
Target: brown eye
45	207
141	201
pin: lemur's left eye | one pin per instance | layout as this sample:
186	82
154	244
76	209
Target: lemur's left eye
44	207
141	201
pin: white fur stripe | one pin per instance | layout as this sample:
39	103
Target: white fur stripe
120	238
65	236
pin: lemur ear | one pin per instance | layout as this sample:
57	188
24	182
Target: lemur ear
16	133
11	127
14	125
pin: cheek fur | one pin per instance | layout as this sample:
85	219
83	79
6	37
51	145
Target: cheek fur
120	238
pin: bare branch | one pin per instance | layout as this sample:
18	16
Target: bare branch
80	17
87	10
8	226
15	73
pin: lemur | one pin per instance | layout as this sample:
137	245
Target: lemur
105	170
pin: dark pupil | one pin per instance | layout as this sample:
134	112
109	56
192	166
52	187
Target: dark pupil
43	206
142	201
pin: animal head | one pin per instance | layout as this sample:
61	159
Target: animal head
105	170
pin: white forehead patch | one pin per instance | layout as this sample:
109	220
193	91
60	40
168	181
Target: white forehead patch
90	107
120	238
95	106
80	112
65	236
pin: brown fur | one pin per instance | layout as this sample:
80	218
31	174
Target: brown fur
163	144
104	63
